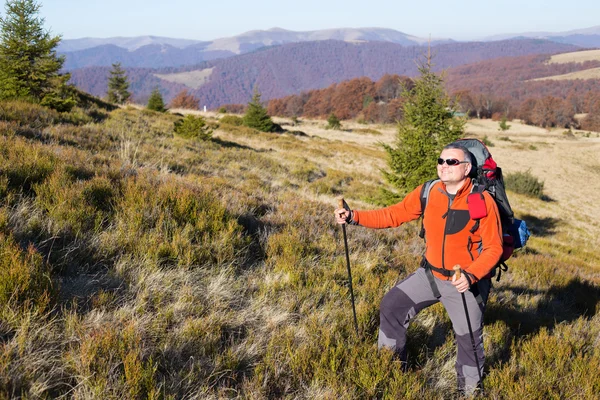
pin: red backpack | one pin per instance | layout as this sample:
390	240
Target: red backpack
487	176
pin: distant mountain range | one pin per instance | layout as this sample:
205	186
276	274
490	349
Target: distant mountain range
589	37
287	69
593	31
159	52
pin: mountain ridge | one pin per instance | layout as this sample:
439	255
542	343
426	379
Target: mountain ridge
279	71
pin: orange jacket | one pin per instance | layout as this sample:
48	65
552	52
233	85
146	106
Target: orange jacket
447	224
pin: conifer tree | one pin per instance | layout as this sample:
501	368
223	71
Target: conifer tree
256	115
155	102
29	65
118	85
428	125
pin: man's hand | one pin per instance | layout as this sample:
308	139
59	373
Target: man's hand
461	284
341	215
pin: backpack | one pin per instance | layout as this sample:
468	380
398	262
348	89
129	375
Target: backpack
487	176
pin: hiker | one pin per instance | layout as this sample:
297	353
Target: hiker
452	238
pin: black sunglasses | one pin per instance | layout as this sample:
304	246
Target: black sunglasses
451	161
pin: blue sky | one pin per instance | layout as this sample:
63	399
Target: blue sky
211	19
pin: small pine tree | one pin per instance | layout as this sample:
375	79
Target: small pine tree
155	102
193	128
428	125
503	126
118	85
29	65
333	122
256	116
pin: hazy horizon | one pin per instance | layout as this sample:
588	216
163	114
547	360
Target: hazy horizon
185	19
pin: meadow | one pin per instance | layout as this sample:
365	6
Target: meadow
137	264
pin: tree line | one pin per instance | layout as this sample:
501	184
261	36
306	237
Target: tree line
494	89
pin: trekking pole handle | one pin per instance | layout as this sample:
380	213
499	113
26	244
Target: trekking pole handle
342	204
457	271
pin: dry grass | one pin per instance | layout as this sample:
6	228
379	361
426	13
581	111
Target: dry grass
577	56
592	73
177	268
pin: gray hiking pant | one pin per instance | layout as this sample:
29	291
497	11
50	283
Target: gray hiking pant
412	295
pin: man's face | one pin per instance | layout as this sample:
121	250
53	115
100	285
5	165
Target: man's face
451	174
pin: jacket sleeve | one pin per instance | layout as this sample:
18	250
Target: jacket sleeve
407	210
491	236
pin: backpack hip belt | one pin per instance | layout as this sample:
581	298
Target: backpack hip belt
447	273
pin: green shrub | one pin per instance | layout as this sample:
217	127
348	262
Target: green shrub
487	141
176	225
23	165
156	102
28	114
232	120
333	122
502	125
113	358
193	128
524	183
76	208
61	99
24	279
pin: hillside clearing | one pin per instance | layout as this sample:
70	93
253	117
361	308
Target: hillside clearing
592	73
576	56
192	79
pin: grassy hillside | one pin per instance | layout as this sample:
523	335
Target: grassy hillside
139	264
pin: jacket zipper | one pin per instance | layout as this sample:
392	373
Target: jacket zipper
445	226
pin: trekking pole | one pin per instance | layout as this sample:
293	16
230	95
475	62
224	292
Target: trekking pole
457	273
342	204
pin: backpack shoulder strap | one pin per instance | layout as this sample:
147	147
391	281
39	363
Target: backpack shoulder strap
424	196
425	189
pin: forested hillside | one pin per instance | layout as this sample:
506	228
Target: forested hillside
292	68
503	87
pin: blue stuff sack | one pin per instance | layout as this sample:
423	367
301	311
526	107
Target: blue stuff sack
520	233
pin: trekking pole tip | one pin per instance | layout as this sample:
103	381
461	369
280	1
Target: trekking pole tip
457	271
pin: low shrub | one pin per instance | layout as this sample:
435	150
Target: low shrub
76	207
502	125
192	127
333	122
28	114
367	130
176	225
524	183
24	279
113	361
487	141
23	165
232	120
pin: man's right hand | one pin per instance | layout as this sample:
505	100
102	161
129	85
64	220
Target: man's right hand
342	216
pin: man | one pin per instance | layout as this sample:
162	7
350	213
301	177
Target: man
452	238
